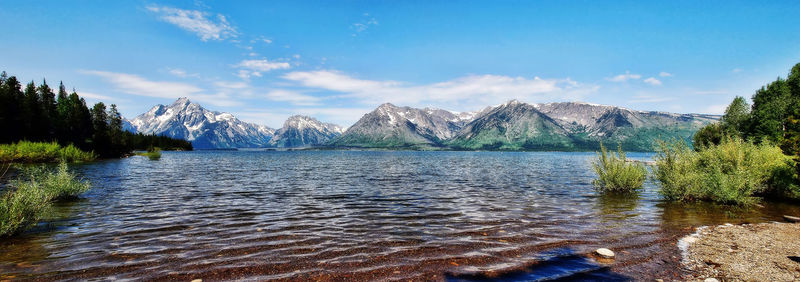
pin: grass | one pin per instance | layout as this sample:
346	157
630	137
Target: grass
42	152
616	174
733	172
153	154
30	196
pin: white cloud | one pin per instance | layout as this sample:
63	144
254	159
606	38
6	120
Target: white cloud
250	68
90	95
664	74
181	73
292	97
624	77
736	70
262	65
137	85
652	81
201	23
262	38
474	91
231	85
362	26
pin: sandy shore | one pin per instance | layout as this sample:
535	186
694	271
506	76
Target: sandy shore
751	252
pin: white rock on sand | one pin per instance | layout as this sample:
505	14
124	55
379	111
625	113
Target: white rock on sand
606	253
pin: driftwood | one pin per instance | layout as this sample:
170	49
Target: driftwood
790	218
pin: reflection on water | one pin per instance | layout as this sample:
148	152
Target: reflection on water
349	215
616	207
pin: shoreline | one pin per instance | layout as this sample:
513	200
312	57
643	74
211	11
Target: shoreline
761	251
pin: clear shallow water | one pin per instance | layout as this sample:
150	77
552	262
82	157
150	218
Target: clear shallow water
350	215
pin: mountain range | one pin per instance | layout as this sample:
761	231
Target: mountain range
513	125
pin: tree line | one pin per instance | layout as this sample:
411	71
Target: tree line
37	113
773	117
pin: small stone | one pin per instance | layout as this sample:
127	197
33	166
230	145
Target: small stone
606	253
711	280
197	280
659	280
259	229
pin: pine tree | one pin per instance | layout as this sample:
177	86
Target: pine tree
49	112
13	103
5	100
33	113
100	138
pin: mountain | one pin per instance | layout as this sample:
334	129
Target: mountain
205	129
390	126
303	131
513	125
573	126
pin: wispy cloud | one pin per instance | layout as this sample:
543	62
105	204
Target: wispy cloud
624	77
254	67
363	25
140	86
203	24
181	73
293	98
137	85
94	96
467	91
664	74
262	39
262	65
652	81
737	70
231	84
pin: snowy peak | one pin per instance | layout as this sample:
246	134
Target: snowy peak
393	126
301	122
304	131
205	129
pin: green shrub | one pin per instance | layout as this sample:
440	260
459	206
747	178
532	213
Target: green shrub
732	172
30	196
615	173
21	209
42	152
153	154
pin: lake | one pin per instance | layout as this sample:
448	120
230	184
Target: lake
359	215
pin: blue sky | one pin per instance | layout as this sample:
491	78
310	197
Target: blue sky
337	60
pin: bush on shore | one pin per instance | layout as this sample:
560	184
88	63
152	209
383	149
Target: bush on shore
731	172
616	174
153	154
41	152
30	196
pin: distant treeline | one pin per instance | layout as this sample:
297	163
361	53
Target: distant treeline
36	113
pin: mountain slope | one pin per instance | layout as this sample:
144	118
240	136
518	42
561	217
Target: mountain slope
573	126
390	126
512	126
205	129
303	131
